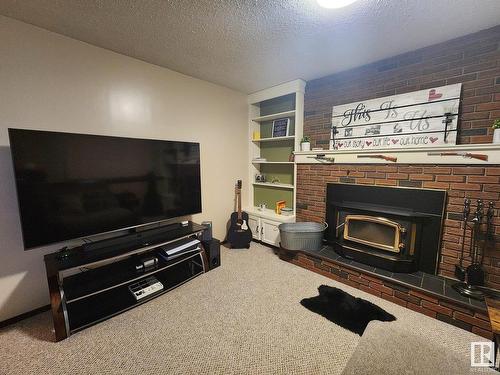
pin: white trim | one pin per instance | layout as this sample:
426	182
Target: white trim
275	116
275	139
406	156
274	185
269	214
291	87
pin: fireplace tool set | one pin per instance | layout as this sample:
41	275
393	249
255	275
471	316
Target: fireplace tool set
472	277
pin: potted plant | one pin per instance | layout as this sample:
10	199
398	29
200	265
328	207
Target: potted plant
496	131
305	143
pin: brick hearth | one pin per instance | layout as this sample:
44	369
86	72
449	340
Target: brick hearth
469	317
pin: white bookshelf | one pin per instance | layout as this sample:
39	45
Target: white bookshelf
278	102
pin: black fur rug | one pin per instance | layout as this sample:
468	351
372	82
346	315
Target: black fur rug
345	310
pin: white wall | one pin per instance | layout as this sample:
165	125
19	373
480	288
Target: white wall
51	82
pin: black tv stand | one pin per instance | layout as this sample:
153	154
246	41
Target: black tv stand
99	288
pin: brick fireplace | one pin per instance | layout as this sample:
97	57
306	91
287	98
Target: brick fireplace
473	60
459	181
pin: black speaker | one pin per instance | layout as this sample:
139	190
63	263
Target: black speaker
207	233
212	249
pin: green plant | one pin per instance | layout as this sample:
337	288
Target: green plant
305	139
496	124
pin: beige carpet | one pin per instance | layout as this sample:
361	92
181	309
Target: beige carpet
241	318
410	347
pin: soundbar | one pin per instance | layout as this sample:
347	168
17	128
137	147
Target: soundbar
131	240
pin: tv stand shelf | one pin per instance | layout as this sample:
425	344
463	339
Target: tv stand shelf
86	288
98	280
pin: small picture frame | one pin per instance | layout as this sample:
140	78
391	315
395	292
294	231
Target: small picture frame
281	127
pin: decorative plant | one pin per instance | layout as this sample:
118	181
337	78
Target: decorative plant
305	139
496	124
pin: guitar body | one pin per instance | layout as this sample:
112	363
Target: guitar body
238	237
239	234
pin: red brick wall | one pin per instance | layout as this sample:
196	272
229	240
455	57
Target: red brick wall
473	60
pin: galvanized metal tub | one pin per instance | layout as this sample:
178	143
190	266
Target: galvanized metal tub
302	236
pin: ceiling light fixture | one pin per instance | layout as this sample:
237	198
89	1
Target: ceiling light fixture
333	4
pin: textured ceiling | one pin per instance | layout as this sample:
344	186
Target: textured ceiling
249	45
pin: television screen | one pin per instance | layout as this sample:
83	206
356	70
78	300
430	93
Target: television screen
76	185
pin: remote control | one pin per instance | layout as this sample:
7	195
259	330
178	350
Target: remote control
145	287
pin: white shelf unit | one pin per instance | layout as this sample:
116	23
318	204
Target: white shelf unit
266	213
282	101
275	139
265	225
274	116
275	185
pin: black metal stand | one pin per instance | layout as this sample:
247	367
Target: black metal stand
472	278
469	291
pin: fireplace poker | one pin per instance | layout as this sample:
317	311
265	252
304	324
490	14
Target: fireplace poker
489	220
476	224
480	209
475	273
489	229
459	269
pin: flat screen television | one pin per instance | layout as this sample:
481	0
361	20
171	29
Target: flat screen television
77	185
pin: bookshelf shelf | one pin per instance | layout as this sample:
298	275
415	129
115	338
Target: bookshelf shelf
274	185
274	116
272	162
275	139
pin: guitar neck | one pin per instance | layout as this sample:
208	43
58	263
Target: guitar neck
238	198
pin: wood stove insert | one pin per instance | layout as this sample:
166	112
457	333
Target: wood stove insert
398	229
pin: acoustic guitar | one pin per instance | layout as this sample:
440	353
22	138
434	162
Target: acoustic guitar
239	234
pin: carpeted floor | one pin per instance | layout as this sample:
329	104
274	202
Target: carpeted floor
241	318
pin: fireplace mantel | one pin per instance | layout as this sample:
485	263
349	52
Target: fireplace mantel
404	156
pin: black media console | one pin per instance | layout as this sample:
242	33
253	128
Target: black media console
87	287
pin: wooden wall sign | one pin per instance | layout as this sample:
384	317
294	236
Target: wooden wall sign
423	118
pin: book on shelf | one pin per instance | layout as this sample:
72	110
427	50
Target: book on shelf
279	206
